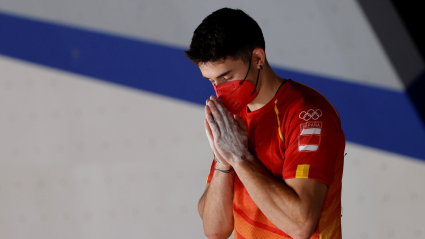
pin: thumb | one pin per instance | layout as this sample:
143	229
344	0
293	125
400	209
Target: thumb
240	121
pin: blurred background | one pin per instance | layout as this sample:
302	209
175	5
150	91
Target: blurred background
101	115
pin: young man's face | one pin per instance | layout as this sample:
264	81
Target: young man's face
227	70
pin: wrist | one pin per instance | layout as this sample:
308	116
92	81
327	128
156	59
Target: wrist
220	162
222	167
229	170
243	159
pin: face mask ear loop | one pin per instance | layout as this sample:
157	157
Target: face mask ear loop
258	77
249	66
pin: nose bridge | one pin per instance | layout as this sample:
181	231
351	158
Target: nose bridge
218	82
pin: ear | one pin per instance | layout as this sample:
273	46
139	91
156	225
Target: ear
259	56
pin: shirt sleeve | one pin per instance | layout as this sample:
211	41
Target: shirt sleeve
210	175
311	132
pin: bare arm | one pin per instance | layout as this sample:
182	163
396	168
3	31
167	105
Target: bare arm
294	205
216	205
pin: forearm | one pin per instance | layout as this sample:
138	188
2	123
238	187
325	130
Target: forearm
216	205
279	202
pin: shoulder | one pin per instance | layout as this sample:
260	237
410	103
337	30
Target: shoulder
305	102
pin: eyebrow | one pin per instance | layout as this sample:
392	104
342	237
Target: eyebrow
221	75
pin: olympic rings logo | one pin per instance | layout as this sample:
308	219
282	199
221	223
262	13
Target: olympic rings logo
310	114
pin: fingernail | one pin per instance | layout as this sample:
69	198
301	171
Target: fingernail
211	103
211	97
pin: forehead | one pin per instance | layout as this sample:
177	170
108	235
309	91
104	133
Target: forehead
213	69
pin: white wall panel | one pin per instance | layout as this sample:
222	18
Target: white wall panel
81	158
382	194
329	37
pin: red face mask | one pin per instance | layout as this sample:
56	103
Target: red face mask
237	94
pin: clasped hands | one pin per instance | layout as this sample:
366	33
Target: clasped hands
227	134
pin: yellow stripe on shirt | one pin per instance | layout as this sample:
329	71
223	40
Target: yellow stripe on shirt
278	121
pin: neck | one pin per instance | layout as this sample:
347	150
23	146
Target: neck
269	83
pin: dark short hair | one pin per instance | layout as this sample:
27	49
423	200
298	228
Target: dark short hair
225	33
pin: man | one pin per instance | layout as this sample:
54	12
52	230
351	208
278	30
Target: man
278	144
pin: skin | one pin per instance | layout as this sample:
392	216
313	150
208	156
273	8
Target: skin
293	205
